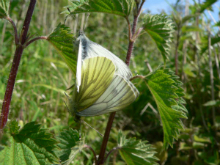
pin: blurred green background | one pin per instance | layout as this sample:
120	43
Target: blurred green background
43	77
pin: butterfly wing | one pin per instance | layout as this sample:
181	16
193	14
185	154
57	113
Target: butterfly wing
96	76
91	49
117	96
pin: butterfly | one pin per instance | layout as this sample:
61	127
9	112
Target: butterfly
102	81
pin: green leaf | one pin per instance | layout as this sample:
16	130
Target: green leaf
212	103
206	5
4	8
160	28
167	92
214	40
187	18
191	29
136	152
32	145
63	40
68	139
217	23
118	7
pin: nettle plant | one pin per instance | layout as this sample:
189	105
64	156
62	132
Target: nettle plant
34	145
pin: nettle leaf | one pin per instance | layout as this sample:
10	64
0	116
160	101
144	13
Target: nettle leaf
31	145
67	140
118	7
167	92
160	28
63	40
136	152
4	8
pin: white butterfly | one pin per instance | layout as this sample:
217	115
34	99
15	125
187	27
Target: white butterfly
102	81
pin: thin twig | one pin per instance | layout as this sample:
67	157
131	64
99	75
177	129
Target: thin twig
129	28
15	29
113	150
35	39
138	76
87	146
211	78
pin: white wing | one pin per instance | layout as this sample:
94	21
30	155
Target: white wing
117	96
92	49
79	66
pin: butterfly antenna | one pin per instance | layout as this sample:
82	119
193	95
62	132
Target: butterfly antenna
87	18
67	107
92	128
70	88
82	22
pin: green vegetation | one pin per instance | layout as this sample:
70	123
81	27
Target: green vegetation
175	119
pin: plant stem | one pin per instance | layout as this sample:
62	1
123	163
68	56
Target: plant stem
90	148
35	39
127	61
15	29
176	49
211	78
105	139
15	65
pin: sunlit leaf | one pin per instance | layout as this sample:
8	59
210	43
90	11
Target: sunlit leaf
160	28
187	18
207	5
217	23
63	40
212	103
32	145
167	92
191	29
67	140
214	40
118	7
4	8
136	152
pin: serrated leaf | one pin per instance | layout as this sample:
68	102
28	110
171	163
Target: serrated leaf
167	92
67	140
118	7
136	152
206	5
214	40
4	8
32	145
160	28
63	40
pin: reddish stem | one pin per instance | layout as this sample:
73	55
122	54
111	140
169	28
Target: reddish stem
35	39
15	65
105	139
